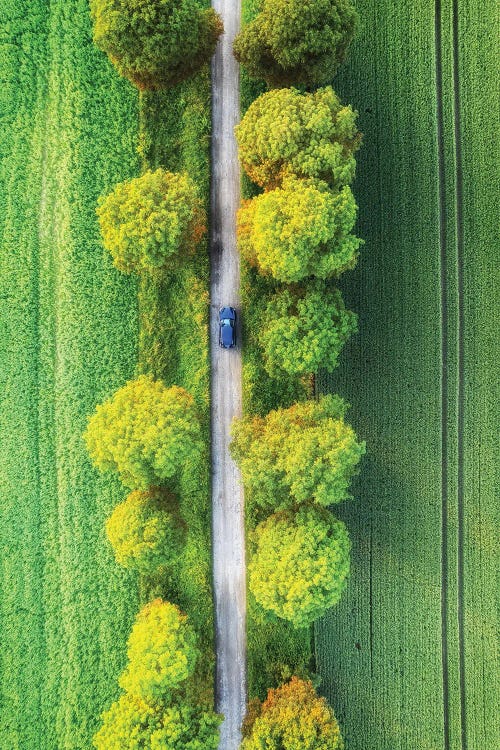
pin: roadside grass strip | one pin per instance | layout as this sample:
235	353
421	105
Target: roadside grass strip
275	650
173	343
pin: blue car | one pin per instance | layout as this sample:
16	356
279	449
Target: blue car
227	327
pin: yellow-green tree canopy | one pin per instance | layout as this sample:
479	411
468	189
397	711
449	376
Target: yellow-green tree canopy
145	432
285	132
162	652
293	717
306	453
300	565
300	229
304	330
295	42
144	530
155	43
148	221
132	724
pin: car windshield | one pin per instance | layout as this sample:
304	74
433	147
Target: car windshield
226	322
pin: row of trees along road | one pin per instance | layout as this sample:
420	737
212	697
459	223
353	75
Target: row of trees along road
146	432
299	147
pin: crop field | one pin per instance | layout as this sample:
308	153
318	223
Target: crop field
69	331
408	658
73	330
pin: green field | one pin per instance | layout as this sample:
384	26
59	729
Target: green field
69	332
73	329
408	658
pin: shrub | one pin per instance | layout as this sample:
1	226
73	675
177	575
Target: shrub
292	41
155	43
145	431
300	565
286	132
300	229
304	453
144	531
304	332
148	221
293	717
162	652
132	724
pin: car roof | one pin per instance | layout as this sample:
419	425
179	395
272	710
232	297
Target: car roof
227	335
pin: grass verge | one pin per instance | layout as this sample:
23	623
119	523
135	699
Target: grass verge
275	650
173	342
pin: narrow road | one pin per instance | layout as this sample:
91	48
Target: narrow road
226	389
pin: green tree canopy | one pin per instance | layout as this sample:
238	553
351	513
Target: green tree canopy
300	229
295	42
145	432
301	563
162	652
155	43
132	724
148	221
285	132
304	331
293	717
300	454
144	530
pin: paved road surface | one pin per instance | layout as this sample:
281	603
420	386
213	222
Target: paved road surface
227	493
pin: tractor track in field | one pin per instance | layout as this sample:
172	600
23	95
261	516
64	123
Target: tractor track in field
229	572
38	370
461	367
445	375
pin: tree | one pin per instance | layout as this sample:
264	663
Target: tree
155	43
144	531
162	652
132	724
305	453
300	229
295	42
304	331
127	725
293	717
300	565
145	432
147	222
285	132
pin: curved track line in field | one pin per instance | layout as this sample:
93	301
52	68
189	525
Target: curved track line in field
461	370
444	374
226	391
37	366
